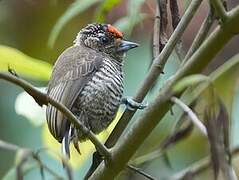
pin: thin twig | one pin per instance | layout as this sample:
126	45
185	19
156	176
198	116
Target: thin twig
156	44
8	146
62	158
174	13
201	35
175	17
163	39
139	171
191	114
45	167
23	157
154	72
160	29
156	33
42	98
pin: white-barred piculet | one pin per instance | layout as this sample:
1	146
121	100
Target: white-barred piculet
88	79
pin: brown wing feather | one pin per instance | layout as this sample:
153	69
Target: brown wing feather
73	69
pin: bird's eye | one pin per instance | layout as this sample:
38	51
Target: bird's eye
104	39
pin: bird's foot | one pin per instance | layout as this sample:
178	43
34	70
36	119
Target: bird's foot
76	145
132	105
75	139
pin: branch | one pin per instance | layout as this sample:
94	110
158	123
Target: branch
191	114
220	10
156	33
175	18
50	171
134	137
151	78
163	11
174	13
42	98
8	147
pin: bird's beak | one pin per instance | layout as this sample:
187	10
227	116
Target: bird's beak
126	45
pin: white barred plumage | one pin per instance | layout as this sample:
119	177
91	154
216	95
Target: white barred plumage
88	79
101	96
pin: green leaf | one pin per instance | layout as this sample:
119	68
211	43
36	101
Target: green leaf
188	81
74	9
104	8
23	64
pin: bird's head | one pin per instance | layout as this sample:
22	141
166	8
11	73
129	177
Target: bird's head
105	38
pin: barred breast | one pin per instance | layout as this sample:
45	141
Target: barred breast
97	104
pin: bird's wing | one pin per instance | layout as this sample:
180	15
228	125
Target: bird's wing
73	69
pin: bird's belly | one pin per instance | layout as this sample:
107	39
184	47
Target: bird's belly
99	102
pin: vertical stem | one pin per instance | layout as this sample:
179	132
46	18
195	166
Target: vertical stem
156	33
201	35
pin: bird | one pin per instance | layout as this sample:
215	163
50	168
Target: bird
88	79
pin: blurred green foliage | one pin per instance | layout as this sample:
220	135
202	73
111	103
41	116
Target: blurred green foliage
74	9
133	17
23	64
104	8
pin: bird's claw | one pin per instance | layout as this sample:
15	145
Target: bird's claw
76	145
133	105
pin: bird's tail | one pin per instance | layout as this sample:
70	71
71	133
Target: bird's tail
65	146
